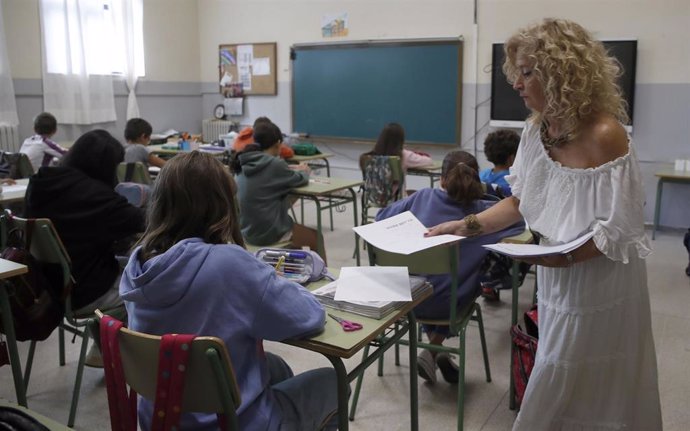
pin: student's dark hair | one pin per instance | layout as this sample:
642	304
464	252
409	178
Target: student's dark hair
45	124
97	154
460	173
500	145
260	120
389	143
136	127
192	197
266	135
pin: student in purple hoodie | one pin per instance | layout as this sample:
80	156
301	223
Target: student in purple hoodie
191	274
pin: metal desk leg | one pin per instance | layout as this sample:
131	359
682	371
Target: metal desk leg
341	373
513	321
319	228
354	211
414	402
657	206
7	323
328	174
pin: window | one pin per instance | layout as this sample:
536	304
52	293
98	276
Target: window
93	37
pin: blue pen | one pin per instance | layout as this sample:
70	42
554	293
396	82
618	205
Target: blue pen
290	254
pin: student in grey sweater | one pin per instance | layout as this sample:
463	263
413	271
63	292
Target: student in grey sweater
264	181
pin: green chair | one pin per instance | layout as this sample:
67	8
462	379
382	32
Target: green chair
441	259
135	172
210	385
46	246
20	166
397	184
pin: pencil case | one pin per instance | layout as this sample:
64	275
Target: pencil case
300	266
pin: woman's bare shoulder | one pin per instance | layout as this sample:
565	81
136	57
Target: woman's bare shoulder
609	138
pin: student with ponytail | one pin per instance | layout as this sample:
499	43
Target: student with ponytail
461	194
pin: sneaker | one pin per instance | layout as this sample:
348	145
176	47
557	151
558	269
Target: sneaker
448	368
490	294
426	367
93	357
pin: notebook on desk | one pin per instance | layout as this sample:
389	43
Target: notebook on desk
373	309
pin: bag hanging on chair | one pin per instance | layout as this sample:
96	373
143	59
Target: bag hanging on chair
524	353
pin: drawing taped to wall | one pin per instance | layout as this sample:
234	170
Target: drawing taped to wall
334	25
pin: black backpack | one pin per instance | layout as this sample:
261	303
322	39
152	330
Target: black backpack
686	242
36	298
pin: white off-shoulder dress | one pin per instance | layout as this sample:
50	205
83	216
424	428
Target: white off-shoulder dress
596	366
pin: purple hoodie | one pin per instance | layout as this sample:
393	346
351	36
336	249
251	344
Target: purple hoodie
223	291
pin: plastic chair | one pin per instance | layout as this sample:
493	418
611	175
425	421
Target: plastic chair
209	367
133	173
46	246
397	184
18	163
436	260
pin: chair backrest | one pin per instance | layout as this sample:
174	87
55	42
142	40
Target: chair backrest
135	172
441	259
46	245
208	367
15	165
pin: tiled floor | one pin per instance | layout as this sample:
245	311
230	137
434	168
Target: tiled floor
384	400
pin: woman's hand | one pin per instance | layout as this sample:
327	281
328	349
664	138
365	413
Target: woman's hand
457	227
8	181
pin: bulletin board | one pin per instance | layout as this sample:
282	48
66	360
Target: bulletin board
253	65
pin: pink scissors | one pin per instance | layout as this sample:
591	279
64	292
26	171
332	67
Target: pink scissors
346	324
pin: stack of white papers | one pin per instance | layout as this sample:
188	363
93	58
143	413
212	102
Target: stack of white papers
403	234
415	287
534	250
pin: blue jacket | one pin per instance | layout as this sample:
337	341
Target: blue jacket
488	176
223	291
434	206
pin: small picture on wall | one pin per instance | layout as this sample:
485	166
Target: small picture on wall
334	25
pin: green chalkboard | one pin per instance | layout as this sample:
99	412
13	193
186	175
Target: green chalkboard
352	90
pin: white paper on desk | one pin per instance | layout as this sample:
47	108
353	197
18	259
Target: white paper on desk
14	188
533	250
166	134
402	233
373	283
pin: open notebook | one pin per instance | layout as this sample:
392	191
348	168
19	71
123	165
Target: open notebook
374	309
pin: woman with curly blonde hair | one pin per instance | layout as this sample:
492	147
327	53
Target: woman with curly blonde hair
576	171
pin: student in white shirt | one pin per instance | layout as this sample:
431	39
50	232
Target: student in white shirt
39	148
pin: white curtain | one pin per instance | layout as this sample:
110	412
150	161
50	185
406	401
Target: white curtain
129	24
77	82
8	105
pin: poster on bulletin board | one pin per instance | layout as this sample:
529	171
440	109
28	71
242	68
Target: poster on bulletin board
247	69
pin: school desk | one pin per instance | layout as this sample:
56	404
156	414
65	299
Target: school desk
50	424
10	269
335	344
667	176
433	171
170	152
310	160
7	197
331	192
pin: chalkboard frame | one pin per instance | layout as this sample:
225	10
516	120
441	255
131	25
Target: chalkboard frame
455	42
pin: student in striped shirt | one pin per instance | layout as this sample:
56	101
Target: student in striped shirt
39	148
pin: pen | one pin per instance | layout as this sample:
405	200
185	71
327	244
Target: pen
280	262
291	254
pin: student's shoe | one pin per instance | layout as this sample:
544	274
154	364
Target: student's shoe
490	294
426	367
93	357
448	368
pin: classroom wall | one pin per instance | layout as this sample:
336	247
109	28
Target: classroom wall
182	38
169	95
663	73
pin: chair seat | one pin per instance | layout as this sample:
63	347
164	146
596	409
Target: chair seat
254	248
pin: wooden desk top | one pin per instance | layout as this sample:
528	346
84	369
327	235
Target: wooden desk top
434	166
8	196
300	159
336	342
324	185
10	269
673	174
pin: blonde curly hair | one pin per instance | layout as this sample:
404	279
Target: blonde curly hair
577	75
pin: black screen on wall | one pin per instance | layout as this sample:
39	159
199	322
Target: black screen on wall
506	104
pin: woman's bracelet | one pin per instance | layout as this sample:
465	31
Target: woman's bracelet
472	224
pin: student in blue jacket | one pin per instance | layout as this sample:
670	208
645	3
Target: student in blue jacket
461	194
500	148
191	274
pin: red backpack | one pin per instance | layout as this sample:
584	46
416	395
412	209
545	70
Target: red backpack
524	352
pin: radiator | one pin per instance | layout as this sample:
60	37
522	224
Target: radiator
9	139
211	129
